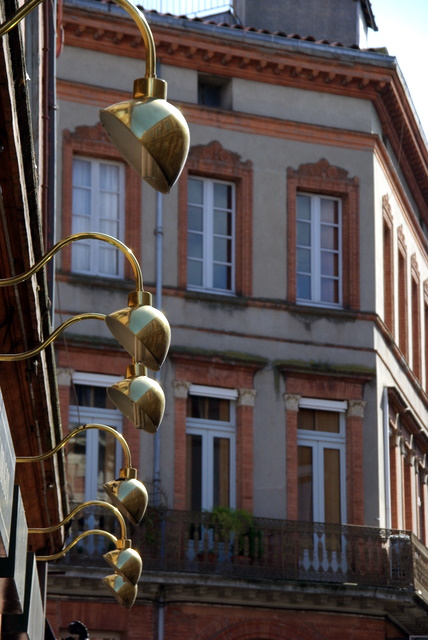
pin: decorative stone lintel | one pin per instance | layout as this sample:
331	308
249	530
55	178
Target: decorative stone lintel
291	401
64	377
356	408
246	397
181	388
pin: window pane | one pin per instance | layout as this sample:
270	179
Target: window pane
329	290
194	272
206	408
195	218
332	486
81	201
81	224
222	195
329	263
223	223
109	205
195	191
329	211
329	237
305	483
318	420
222	250
106	461
194	245
303	207
109	177
76	466
304	287
81	173
221	468
222	277
81	257
304	260
108	263
303	234
193	472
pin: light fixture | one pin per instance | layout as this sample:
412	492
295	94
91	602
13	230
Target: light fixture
141	329
128	494
125	561
148	131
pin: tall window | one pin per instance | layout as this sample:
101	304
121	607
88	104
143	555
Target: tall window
210	448
321	461
388	269
416	327
318	249
211	232
97	205
94	457
403	338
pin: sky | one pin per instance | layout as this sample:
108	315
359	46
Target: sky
403	30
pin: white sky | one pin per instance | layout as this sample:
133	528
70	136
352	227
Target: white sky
403	29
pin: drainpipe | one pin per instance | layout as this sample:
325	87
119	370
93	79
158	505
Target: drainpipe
159	255
386	460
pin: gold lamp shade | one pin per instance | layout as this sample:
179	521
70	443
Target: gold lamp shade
130	496
139	398
122	590
150	133
144	332
126	562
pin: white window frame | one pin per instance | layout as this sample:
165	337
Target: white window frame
95	220
318	441
87	415
207	234
315	248
208	430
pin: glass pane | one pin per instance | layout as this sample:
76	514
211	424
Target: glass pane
194	272
223	223
303	207
109	205
304	484
81	173
81	257
76	466
108	261
221	470
110	227
193	472
80	224
329	263
332	486
304	260
329	211
317	420
303	234
329	237
222	250
81	201
195	191
206	408
304	287
87	396
195	218
329	290
106	461
109	177
222	195
222	277
194	245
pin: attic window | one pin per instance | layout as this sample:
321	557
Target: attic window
214	91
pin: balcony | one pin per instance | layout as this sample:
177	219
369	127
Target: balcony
275	550
190	8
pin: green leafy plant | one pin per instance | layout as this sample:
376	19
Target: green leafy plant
236	526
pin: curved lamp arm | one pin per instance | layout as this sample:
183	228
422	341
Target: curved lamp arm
76	432
90	532
89	503
135	14
90	235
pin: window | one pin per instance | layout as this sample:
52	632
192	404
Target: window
321	461
318	249
214	91
416	319
323	236
94	457
210	448
388	265
403	328
211	231
97	205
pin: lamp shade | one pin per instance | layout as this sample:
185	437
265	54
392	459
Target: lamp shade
122	590
144	332
130	496
140	399
152	136
126	562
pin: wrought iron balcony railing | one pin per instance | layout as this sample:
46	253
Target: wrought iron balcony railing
180	541
189	8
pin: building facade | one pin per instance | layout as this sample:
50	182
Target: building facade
288	479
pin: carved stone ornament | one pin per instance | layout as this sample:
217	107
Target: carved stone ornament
291	401
246	397
356	408
181	388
